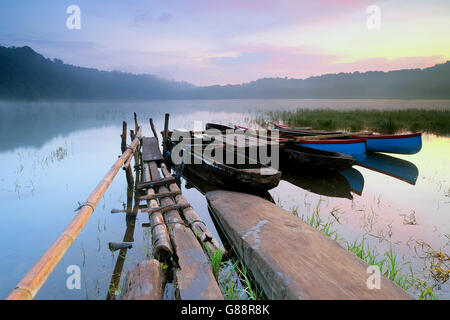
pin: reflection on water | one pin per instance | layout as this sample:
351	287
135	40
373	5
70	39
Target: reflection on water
54	154
391	166
338	185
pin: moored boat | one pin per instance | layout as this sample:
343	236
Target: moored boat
242	173
302	158
397	143
302	131
353	147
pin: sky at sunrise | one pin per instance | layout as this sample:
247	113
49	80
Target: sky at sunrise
229	41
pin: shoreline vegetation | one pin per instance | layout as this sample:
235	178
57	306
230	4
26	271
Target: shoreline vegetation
381	121
436	269
237	283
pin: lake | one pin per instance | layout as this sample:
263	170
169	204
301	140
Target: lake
54	154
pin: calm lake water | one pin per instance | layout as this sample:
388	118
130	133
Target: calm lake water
54	154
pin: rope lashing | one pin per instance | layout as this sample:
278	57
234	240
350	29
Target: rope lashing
81	205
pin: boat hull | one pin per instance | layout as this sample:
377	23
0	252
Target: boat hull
401	144
232	177
300	158
353	147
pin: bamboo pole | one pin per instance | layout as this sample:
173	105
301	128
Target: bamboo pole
28	287
192	263
130	219
136	126
204	236
162	248
165	135
124	137
153	129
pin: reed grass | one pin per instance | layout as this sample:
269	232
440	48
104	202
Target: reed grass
382	121
388	263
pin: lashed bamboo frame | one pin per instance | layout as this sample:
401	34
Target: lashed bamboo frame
30	284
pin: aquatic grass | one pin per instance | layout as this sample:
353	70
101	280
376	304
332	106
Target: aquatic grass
236	281
251	293
216	261
383	121
389	263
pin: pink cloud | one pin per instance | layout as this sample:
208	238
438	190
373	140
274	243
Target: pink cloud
268	61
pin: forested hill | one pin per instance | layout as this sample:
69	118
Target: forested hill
25	74
429	83
28	75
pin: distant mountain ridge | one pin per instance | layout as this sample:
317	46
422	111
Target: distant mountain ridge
25	74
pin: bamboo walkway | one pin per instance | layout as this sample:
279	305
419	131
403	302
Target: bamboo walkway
181	242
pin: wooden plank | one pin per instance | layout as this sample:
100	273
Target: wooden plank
289	258
194	277
203	234
145	281
154	172
150	149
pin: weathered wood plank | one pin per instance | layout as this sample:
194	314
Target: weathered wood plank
195	223
289	258
195	279
145	281
150	149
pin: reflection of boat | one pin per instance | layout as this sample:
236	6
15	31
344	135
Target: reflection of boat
355	179
397	143
391	166
336	185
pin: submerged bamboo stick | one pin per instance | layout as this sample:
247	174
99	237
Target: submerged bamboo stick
28	287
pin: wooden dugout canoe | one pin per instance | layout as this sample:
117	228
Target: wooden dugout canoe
396	143
302	158
251	175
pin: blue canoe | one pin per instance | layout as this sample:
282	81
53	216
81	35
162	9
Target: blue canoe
398	143
353	147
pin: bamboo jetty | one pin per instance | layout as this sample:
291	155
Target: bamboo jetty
181	242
